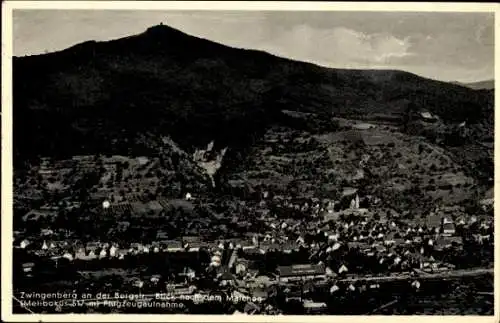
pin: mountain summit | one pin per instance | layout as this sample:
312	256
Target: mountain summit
108	96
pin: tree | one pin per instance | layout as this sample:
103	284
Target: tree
421	148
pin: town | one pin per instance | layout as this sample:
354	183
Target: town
252	162
287	255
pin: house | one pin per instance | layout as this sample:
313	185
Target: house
155	246
334	289
46	232
121	253
390	239
259	294
100	195
363	246
142	160
161	236
68	255
311	307
215	261
103	253
91	255
447	226
189	273
92	245
330	215
445	243
270	247
106	204
381	259
254	253
243	224
139	247
244	244
399	241
174	245
255	240
433	220
421	261
333	235
379	248
86	254
28	267
293	292
136	282
241	266
343	269
488	199
417	239
198	244
251	308
112	251
24	243
300	272
80	254
225	277
155	279
428	117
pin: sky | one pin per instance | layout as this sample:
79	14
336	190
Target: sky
438	45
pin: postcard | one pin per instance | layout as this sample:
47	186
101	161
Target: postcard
248	161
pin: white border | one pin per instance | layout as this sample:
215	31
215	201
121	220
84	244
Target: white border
7	8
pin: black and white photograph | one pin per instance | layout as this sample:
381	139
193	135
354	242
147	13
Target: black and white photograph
248	161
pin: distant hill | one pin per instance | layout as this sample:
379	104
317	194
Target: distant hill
121	96
481	85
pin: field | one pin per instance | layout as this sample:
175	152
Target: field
462	298
374	156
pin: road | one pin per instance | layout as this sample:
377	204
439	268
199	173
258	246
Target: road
375	279
423	276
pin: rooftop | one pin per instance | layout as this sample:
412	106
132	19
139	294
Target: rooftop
301	270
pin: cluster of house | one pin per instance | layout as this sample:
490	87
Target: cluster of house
394	246
99	250
325	231
298	283
387	242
